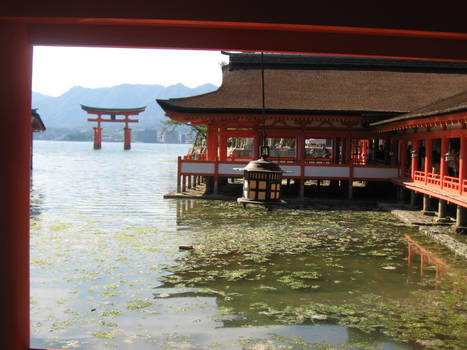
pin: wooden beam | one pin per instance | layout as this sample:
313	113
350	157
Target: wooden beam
113	121
15	143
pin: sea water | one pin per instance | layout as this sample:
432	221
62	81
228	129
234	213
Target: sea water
106	271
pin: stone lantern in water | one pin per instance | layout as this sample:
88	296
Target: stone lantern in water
261	181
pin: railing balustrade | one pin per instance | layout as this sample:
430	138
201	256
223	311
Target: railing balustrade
419	176
320	168
434	179
451	184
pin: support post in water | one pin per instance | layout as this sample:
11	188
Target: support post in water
127	138
413	199
461	220
426	204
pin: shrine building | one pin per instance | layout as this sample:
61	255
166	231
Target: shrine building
343	119
357	29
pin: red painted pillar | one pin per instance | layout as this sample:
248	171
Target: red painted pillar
413	167
179	174
402	157
462	163
15	143
212	142
300	140
348	155
97	138
443	165
127	138
223	147
428	154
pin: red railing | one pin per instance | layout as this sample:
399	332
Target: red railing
451	184
419	176
433	179
447	183
201	156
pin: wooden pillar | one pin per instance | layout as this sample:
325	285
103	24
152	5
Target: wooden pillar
461	219
413	199
183	183
401	194
428	160
302	188
441	209
97	138
394	151
426	204
414	160
300	140
15	145
443	165
179	176
402	157
127	138
335	150
348	151
212	142
350	190
462	163
223	147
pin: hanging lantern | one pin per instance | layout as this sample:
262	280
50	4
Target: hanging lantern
262	178
449	157
261	181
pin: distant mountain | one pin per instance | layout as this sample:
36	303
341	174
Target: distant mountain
65	111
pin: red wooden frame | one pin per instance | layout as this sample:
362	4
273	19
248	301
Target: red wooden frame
401	33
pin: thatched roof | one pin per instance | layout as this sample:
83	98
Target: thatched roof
452	104
304	84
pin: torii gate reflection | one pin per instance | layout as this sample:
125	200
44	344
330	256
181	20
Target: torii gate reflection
112	112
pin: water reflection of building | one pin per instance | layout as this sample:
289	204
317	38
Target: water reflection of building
183	206
427	258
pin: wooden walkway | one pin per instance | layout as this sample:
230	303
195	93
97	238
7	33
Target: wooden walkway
431	191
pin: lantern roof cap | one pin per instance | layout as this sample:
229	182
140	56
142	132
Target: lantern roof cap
262	165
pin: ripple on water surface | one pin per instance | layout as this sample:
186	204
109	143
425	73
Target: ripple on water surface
106	271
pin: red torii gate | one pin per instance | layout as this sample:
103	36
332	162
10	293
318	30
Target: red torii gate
112	112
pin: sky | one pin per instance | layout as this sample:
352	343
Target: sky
58	69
